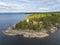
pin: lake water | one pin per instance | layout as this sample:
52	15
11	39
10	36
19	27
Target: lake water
7	20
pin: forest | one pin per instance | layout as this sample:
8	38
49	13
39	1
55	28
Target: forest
39	21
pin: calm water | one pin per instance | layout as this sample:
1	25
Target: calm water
7	20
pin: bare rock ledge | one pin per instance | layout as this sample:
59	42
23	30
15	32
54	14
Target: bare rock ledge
29	33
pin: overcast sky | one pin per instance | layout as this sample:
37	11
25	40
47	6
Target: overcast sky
29	5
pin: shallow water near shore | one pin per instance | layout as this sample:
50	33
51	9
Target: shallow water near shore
7	20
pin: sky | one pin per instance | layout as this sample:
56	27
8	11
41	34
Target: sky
29	5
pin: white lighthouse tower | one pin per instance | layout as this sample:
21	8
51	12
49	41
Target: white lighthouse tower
27	20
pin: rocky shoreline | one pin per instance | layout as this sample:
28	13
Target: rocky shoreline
28	33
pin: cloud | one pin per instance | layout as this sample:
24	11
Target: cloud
29	5
10	7
37	0
2	4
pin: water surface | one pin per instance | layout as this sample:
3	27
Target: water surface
7	20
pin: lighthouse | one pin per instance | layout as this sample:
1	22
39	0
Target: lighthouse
27	20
